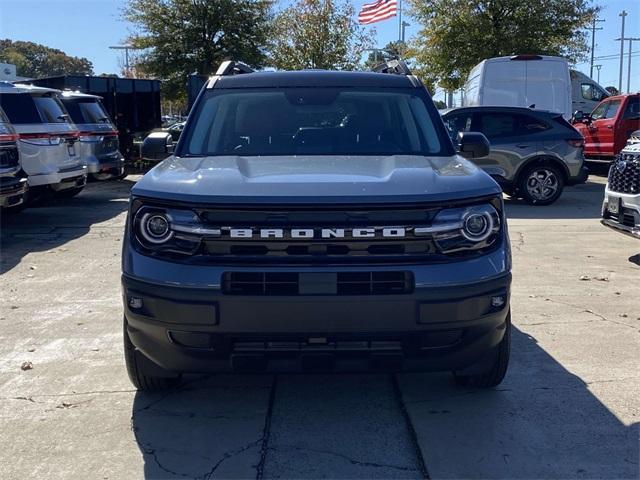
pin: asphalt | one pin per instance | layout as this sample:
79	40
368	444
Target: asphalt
568	408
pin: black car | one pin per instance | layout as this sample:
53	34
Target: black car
316	221
534	153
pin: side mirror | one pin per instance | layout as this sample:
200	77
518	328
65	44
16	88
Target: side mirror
157	146
473	145
578	116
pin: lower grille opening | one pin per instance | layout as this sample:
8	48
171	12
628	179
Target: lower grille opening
325	283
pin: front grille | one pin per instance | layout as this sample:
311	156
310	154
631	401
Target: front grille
627	179
8	155
317	283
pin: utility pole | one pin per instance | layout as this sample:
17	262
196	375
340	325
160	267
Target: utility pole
622	14
598	67
593	42
622	40
126	49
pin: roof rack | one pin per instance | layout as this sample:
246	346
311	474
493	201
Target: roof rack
397	67
230	67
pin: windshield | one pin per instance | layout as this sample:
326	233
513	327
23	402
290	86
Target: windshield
51	109
86	111
315	121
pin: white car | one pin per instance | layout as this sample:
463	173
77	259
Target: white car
47	139
621	206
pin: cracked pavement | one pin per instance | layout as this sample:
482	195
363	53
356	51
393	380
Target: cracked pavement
568	408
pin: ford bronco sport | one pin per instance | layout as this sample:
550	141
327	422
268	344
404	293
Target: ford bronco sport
316	221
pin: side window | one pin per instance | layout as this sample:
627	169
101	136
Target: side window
20	108
458	123
531	125
612	111
599	111
632	110
591	92
497	125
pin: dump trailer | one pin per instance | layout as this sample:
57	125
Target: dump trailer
132	103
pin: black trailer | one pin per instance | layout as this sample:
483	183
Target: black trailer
133	103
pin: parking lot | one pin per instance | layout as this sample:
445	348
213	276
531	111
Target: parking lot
568	408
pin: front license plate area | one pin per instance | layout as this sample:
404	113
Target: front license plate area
613	205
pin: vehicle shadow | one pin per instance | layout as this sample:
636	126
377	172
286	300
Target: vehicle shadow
52	222
542	422
577	202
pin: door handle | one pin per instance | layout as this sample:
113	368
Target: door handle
610	127
522	145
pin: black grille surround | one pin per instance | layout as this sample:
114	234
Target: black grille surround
627	179
317	283
318	251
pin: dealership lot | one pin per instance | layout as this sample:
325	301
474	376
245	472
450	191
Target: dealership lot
568	407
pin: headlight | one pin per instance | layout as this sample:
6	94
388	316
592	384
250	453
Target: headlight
466	228
154	228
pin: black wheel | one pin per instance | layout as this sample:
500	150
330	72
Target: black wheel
541	184
495	375
69	192
139	372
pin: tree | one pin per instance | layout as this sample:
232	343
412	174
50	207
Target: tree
179	37
458	34
318	34
612	90
34	60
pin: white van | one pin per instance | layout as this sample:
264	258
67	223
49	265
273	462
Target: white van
47	138
585	92
538	81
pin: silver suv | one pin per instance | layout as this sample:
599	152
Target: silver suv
98	146
47	138
534	153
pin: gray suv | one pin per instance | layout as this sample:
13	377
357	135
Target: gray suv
534	153
316	221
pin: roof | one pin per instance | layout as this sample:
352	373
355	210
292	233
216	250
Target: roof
501	108
6	87
78	94
315	78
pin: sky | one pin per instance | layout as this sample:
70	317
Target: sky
86	28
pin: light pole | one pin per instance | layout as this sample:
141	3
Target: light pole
404	27
598	67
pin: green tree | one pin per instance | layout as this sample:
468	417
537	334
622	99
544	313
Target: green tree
34	60
179	37
319	34
458	34
392	50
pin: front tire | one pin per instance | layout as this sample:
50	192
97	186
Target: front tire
139	372
541	184
499	364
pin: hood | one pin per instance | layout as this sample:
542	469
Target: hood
315	179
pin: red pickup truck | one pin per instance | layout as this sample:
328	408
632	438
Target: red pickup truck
608	127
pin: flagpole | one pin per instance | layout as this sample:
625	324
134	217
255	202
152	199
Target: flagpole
400	21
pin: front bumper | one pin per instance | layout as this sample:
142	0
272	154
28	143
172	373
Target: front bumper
12	190
627	220
201	330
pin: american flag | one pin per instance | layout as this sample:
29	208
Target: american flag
377	11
